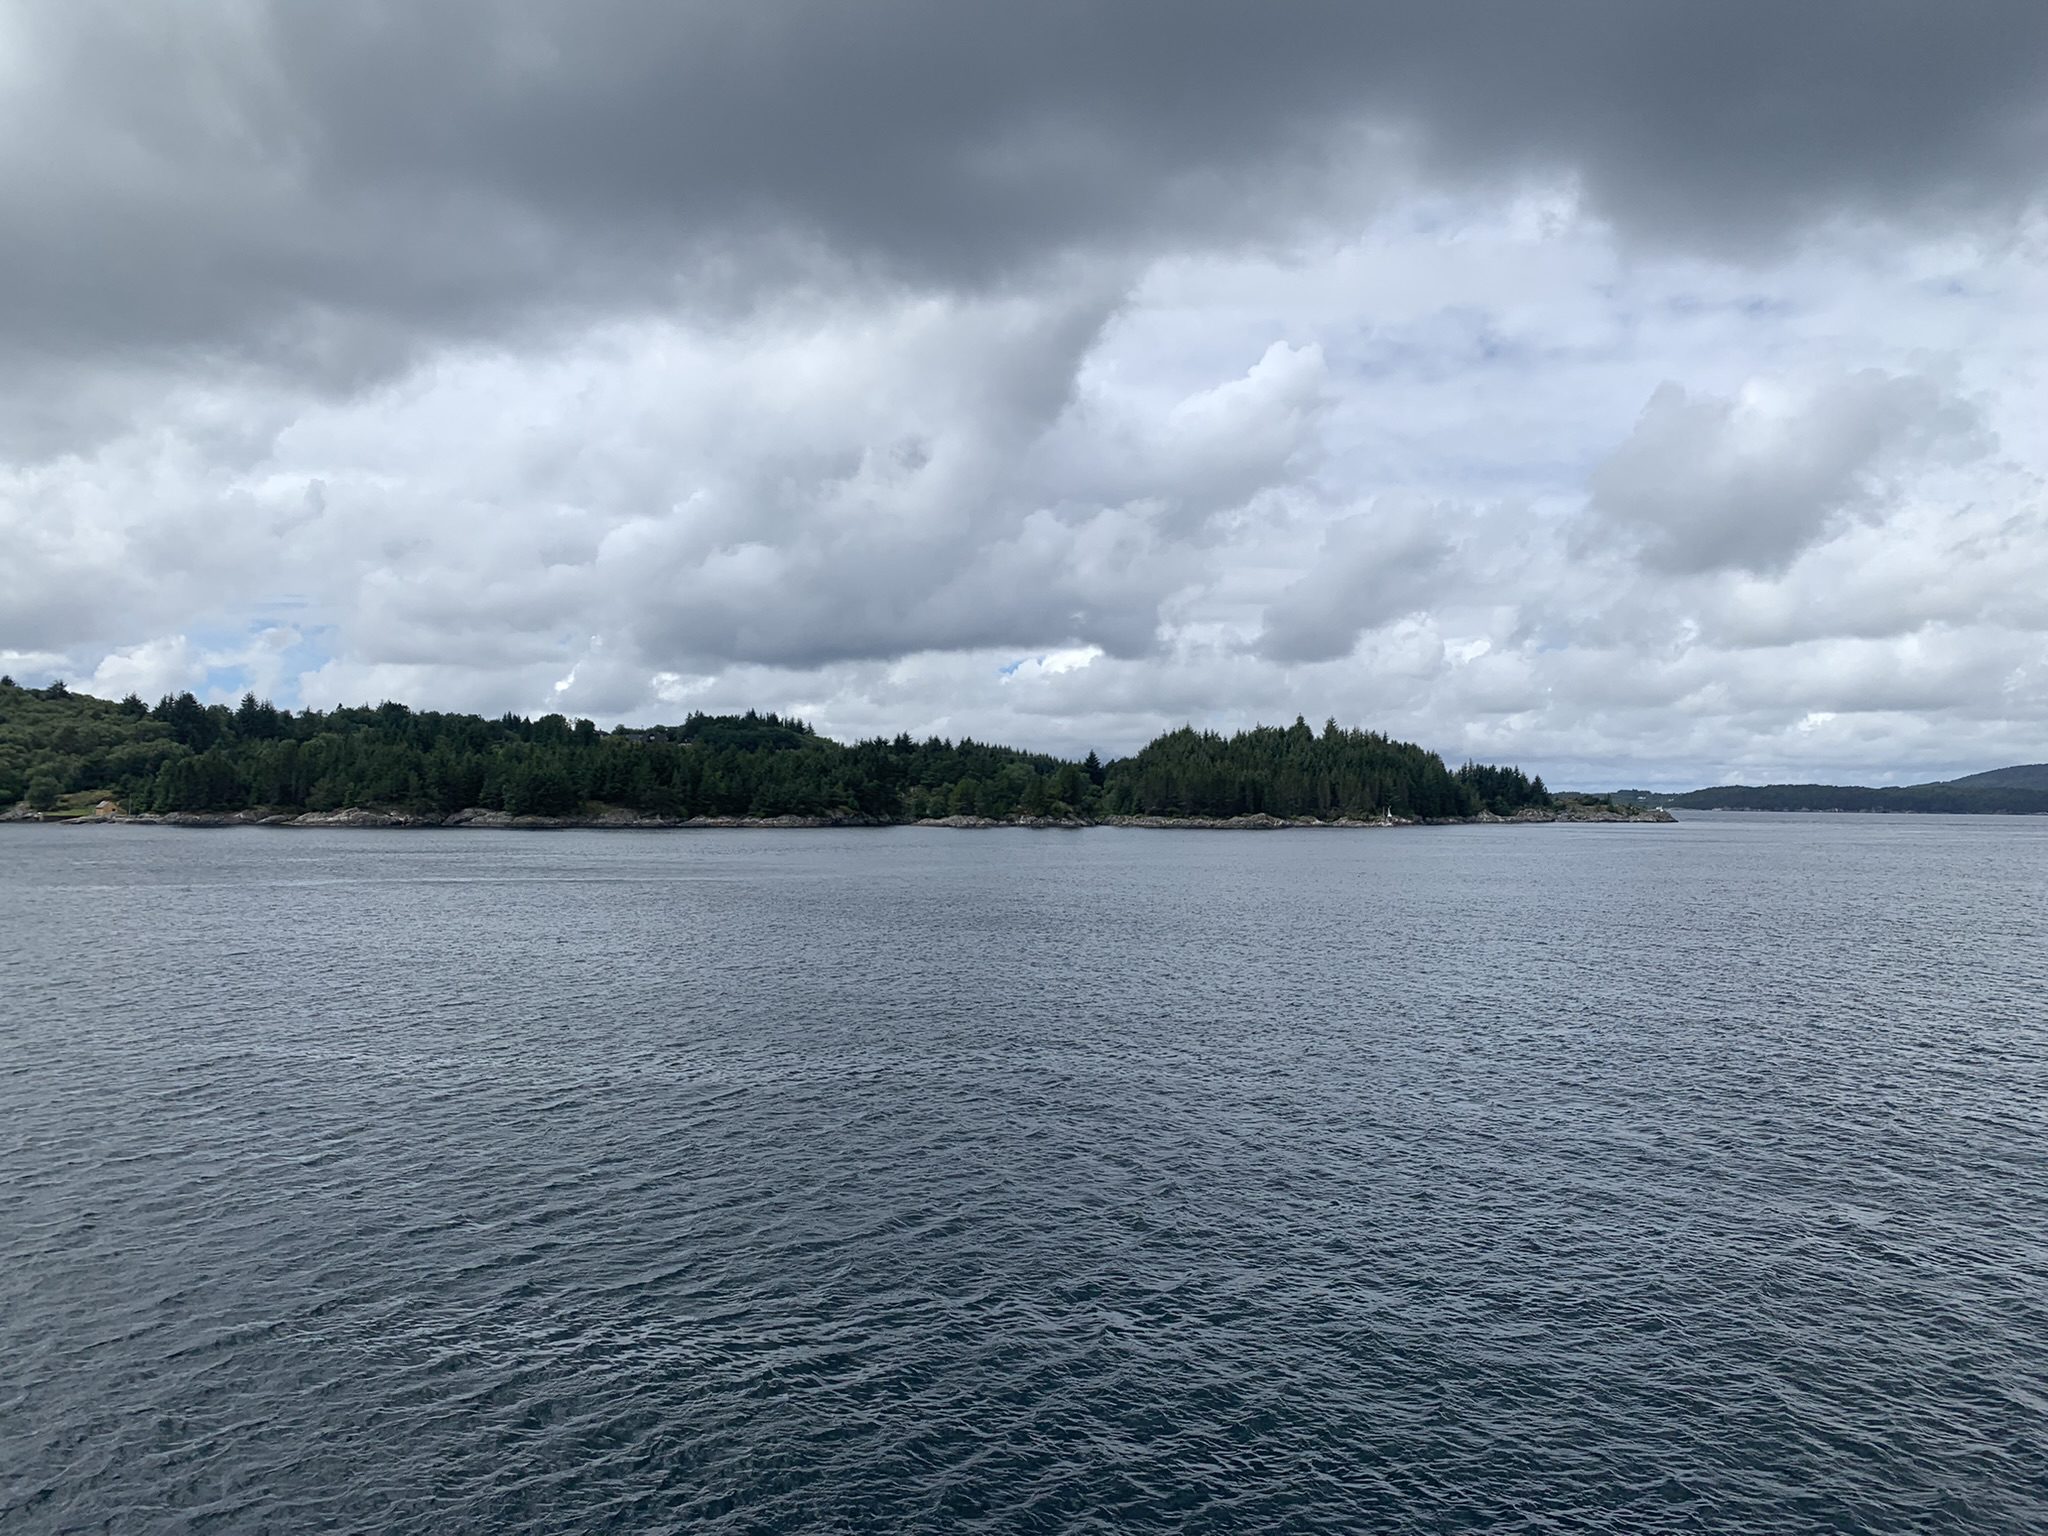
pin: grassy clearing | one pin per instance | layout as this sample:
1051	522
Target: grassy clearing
79	805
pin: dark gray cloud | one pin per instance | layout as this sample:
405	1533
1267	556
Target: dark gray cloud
319	185
1707	483
1373	567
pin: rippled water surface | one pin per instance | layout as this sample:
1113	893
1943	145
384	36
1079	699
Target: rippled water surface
1494	1179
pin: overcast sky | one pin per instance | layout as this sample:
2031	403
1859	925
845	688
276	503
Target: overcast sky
1643	393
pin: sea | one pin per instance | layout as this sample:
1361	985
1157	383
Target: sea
1636	1179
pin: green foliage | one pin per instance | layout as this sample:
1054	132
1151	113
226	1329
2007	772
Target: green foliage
43	790
1291	772
543	785
1503	791
181	755
746	733
75	740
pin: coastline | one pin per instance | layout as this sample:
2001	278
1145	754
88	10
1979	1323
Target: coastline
630	821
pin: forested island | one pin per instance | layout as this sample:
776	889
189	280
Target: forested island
66	755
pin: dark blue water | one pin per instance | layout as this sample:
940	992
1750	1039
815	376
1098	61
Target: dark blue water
1627	1179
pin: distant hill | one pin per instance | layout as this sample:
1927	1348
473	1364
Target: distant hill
2022	776
1637	796
2021	790
1966	797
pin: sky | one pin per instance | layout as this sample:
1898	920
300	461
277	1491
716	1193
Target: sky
1648	395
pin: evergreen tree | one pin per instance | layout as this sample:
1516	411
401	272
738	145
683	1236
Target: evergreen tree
1033	800
185	755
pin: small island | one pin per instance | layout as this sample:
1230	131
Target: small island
69	757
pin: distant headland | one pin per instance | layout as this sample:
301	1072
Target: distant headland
2021	790
70	757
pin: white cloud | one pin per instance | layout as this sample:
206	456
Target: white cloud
1374	476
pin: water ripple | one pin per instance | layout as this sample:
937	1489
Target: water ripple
1547	1180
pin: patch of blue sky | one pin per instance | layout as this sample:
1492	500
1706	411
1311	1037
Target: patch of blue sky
251	659
225	682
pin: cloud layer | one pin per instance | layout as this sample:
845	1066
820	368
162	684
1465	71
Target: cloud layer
1642	393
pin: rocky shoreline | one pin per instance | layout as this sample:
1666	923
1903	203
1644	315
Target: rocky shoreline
621	820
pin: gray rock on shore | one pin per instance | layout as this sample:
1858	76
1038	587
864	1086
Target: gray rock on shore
475	817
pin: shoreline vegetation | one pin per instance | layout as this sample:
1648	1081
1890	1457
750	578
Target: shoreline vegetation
69	757
106	813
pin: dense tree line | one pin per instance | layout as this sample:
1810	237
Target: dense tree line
182	755
1296	771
